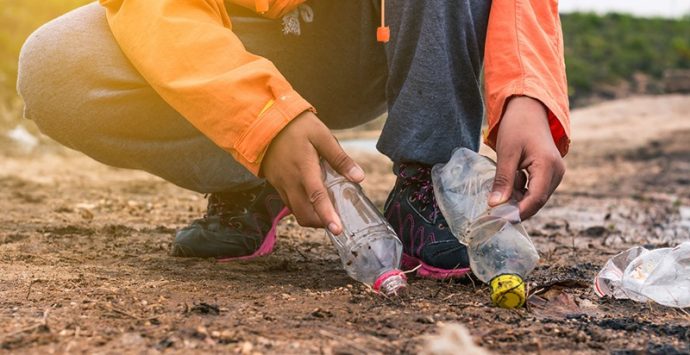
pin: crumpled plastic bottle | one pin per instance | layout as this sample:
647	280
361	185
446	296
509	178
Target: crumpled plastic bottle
660	275
500	251
502	254
462	188
368	246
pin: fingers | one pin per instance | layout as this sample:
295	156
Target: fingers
329	148
308	200
292	166
537	193
319	200
520	186
502	189
543	180
310	203
524	141
520	182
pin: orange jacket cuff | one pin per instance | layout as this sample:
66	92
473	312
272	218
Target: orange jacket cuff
559	122
249	149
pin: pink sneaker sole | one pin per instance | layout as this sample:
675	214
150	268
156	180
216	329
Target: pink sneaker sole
431	272
268	244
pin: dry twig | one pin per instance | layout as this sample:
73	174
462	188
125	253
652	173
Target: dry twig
123	312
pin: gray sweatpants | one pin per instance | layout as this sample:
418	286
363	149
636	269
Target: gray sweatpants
81	90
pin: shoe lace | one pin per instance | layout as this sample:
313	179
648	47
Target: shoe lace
419	179
229	207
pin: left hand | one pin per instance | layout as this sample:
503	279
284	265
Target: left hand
524	141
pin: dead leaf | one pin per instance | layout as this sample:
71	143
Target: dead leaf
554	303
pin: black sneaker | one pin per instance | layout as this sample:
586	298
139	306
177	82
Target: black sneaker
237	226
427	241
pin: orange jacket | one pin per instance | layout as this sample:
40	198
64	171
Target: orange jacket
524	56
187	52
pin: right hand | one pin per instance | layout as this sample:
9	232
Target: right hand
291	165
524	142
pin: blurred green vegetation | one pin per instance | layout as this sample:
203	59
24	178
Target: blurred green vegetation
600	50
610	49
18	18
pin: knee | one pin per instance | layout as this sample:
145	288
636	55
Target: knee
42	58
34	65
49	63
37	81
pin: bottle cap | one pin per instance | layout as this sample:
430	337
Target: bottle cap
508	291
391	283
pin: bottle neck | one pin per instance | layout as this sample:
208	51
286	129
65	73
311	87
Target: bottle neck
391	283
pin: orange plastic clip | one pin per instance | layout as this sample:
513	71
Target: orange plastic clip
383	33
261	6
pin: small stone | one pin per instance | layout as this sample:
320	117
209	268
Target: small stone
246	348
132	340
228	336
425	320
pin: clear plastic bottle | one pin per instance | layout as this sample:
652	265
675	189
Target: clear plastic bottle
462	189
661	275
500	251
502	254
368	247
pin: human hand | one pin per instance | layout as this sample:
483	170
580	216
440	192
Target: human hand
292	166
524	141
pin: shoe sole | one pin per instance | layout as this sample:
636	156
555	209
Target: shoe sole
267	245
430	272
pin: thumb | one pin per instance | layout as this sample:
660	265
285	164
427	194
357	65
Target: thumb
502	189
329	149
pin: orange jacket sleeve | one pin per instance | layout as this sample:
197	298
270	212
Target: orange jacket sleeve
524	57
186	50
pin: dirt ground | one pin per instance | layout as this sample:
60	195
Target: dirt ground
85	264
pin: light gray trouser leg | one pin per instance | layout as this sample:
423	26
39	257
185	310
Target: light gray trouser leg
80	90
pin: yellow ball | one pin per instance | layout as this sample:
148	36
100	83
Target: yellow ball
508	291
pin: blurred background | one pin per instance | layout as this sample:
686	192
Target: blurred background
614	48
